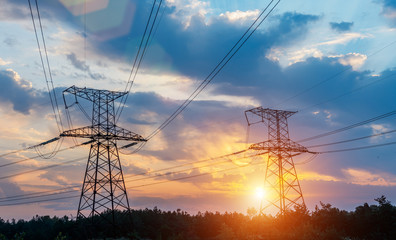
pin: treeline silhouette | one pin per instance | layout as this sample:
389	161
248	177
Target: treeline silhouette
325	222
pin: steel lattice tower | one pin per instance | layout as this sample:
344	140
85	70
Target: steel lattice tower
282	187
103	189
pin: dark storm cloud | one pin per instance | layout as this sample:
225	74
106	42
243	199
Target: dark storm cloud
341	26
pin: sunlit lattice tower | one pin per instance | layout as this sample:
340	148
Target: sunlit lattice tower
281	184
103	189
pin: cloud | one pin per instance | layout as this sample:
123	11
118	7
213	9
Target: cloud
241	16
17	91
389	9
10	41
83	67
356	60
186	11
2	62
14	10
378	129
275	54
8	189
341	26
344	39
365	177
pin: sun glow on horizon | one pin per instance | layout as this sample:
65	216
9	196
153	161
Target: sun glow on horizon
260	193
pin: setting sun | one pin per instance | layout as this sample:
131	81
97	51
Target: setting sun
260	193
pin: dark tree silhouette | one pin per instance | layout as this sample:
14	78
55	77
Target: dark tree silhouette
325	222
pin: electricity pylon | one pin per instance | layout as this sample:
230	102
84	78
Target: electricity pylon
103	189
281	184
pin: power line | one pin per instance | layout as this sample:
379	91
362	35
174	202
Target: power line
310	159
41	168
48	64
11	198
30	147
137	186
30	197
22	196
34	157
193	176
130	82
58	191
39	201
138	174
198	167
54	103
352	140
349	127
61	190
358	148
216	70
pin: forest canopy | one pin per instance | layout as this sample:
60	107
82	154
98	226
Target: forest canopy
376	221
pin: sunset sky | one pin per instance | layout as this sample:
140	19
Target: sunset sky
332	61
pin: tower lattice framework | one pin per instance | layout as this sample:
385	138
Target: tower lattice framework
103	189
281	183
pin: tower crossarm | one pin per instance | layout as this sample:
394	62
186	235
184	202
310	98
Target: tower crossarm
90	94
99	132
282	144
265	114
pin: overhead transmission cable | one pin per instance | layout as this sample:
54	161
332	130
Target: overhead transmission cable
310	159
30	147
352	140
358	148
39	196
200	167
231	53
39	201
136	63
34	157
62	190
197	175
349	127
16	197
127	177
137	186
57	191
49	82
41	168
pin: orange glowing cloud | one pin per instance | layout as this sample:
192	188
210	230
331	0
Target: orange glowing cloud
364	177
